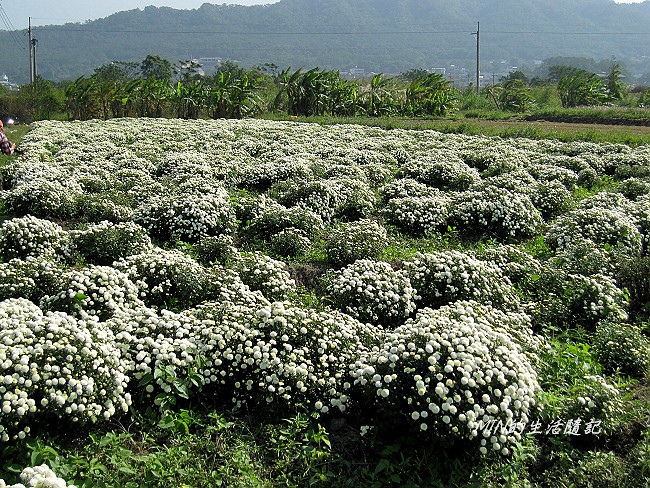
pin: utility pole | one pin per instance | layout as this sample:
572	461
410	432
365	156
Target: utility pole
31	64
478	56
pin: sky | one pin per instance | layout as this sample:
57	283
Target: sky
44	12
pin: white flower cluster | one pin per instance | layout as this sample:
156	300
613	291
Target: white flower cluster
93	291
30	236
268	275
595	399
371	291
216	249
521	268
495	211
281	352
444	277
290	242
106	242
455	369
406	187
167	278
622	348
187	216
44	198
329	198
30	278
552	199
57	364
419	215
595	298
447	171
601	226
548	173
38	477
361	239
271	218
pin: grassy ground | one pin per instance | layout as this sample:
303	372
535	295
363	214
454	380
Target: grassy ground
540	129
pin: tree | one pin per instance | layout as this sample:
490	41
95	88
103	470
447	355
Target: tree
615	86
579	87
511	95
430	95
156	67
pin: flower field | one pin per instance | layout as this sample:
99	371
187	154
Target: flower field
393	280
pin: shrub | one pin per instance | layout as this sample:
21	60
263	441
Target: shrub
106	242
634	275
274	218
290	242
31	278
363	239
57	366
448	172
371	291
30	236
167	278
622	348
495	212
38	476
260	272
188	217
552	199
43	198
445	277
93	291
216	249
420	215
406	187
601	226
455	372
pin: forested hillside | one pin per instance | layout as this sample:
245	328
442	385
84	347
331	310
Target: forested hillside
376	35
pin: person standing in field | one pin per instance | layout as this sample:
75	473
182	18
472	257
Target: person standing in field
7	147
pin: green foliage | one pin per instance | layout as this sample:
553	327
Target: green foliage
431	95
579	87
513	96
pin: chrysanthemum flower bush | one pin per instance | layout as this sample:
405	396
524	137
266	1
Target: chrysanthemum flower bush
38	477
453	370
600	225
420	215
281	352
444	277
54	365
30	236
290	242
268	275
98	291
497	212
623	348
447	171
31	278
361	239
44	198
167	278
105	242
187	216
371	291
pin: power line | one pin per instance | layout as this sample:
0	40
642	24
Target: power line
10	27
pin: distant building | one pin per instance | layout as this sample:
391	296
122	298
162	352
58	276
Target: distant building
5	83
357	72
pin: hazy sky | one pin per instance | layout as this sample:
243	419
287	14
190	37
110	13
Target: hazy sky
49	12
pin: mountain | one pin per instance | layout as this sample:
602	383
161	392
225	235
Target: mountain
387	36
